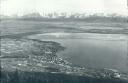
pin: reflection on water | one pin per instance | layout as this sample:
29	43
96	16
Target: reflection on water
91	50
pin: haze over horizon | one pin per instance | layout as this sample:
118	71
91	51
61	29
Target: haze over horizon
20	7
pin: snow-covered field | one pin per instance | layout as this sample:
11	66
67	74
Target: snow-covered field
64	35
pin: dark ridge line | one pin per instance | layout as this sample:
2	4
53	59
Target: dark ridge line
19	35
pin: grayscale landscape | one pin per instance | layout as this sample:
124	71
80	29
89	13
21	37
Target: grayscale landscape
61	48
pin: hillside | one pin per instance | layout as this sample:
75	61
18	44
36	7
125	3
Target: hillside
27	57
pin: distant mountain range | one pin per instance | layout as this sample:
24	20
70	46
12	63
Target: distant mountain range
32	15
63	16
56	15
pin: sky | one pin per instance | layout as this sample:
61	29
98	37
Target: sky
20	7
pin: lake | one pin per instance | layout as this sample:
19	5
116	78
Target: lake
91	50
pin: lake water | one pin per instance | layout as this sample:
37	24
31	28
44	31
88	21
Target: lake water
91	50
